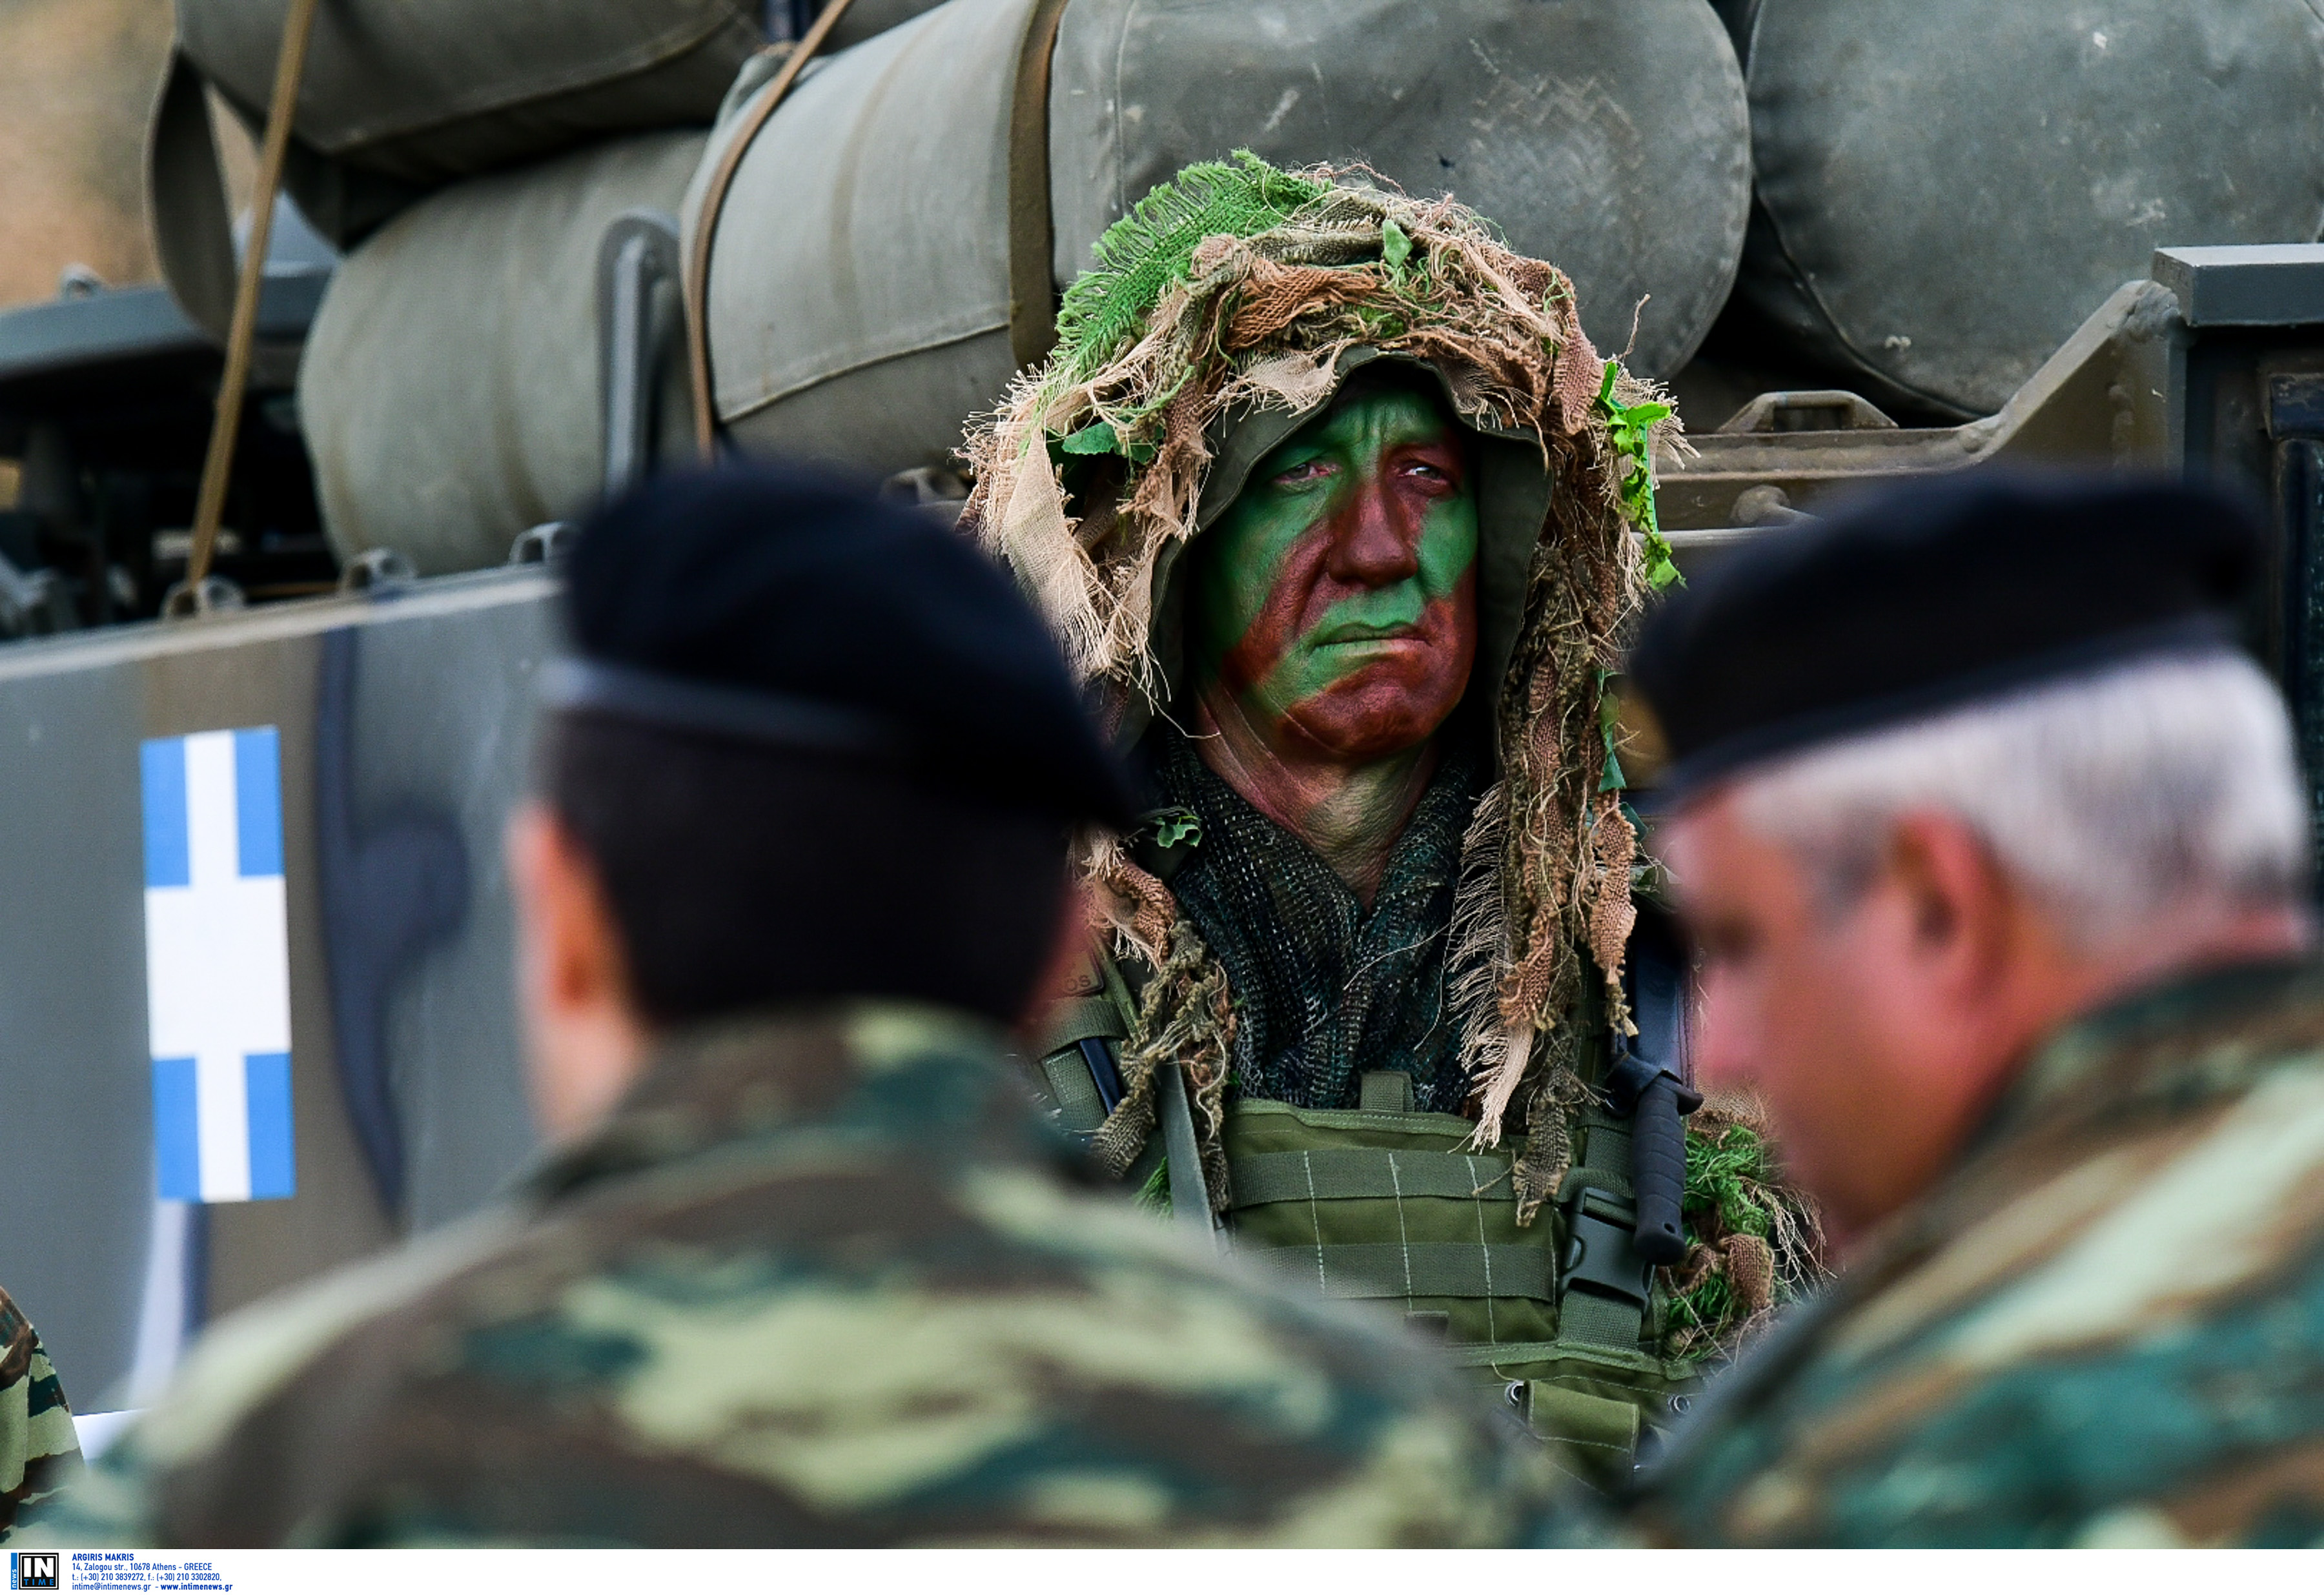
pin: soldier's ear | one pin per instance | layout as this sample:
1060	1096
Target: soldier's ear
1961	904
573	946
586	1041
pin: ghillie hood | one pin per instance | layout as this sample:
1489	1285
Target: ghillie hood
1226	309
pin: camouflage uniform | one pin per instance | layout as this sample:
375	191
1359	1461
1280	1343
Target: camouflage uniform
818	1282
2105	1327
39	1452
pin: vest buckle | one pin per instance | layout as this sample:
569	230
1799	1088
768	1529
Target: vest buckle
1602	1252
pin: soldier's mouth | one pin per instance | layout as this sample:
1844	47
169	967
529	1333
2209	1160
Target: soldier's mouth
1361	631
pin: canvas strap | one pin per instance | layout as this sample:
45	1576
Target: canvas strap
1190	1196
242	332
697	283
1032	225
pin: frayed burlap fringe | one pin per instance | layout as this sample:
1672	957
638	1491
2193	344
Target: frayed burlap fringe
1262	322
1567	847
1185	1016
1760	1272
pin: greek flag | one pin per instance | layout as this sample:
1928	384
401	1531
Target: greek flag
218	966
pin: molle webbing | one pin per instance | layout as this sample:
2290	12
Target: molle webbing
1388	1270
1349	1173
1398	1271
1381	1203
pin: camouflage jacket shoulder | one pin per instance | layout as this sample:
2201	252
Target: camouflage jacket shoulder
39	1453
2105	1327
819	1281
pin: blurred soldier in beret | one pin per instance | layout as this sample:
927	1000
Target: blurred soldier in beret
1995	852
802	1266
39	1452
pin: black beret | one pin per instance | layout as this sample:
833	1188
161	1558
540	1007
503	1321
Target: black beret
784	605
1923	596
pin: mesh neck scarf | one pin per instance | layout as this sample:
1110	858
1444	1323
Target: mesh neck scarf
1323	988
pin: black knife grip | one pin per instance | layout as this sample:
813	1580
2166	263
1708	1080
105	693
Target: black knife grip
1658	1170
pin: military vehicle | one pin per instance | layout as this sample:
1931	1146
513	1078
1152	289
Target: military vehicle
386	685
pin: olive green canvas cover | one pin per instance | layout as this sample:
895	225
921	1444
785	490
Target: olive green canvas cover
400	97
1944	191
451	393
859	280
1608	135
426	91
865	18
859	302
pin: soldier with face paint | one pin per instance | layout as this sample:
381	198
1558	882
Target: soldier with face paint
1341	518
1331	636
1333	622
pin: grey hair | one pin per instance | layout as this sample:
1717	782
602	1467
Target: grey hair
2158	786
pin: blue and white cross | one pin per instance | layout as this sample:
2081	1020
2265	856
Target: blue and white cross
218	966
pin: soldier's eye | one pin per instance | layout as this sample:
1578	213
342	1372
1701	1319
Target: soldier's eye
1305	474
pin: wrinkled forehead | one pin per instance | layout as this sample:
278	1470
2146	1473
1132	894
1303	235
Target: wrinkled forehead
1244	439
1386	404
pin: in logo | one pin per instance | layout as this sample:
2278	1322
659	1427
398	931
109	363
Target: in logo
32	1570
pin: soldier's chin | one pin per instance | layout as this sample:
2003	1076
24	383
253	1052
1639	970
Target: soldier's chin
1374	715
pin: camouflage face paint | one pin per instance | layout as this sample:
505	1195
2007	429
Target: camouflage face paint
1336	600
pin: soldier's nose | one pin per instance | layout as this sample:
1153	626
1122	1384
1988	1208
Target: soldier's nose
1376	547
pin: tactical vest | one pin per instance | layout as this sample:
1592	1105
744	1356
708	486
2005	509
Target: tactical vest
1382	1204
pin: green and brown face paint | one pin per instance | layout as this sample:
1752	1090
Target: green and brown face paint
1336	599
